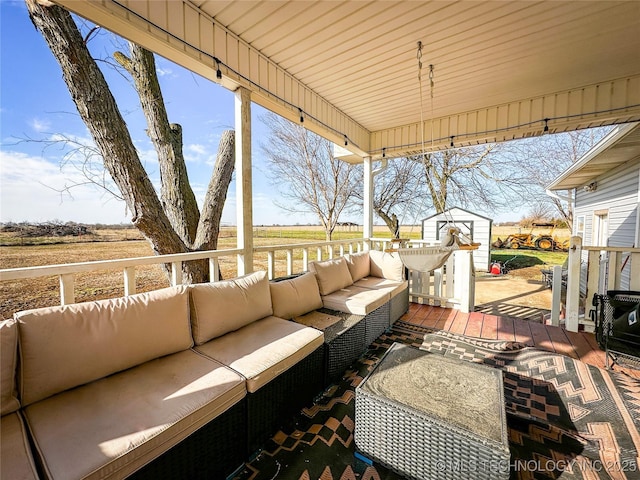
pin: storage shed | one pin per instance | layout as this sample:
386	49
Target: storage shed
475	226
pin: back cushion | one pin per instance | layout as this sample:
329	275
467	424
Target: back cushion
222	307
358	264
332	275
8	357
295	297
63	347
386	265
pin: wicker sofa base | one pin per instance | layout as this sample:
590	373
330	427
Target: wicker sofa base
398	306
344	342
376	323
214	451
270	406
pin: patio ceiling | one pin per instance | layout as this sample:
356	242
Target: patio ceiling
350	68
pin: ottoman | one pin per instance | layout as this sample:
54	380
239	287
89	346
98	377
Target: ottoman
426	416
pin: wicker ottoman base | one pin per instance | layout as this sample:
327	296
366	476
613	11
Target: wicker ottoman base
426	416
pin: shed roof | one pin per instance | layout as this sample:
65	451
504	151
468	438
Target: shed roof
457	209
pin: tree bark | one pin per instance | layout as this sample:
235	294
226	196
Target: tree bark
209	225
178	199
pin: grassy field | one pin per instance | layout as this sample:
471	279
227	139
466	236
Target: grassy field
105	244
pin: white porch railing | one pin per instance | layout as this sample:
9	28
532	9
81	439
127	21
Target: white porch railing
452	285
592	270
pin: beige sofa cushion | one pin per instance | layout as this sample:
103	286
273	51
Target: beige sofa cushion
358	264
8	357
296	296
16	461
332	274
221	307
357	300
113	426
63	347
382	284
386	265
264	349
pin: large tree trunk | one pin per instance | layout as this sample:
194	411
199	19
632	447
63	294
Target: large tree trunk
178	199
176	231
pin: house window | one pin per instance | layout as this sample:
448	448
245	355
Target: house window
580	226
600	228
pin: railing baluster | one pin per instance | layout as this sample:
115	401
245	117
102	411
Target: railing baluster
270	264
67	294
289	262
305	259
129	281
176	273
319	253
634	271
214	269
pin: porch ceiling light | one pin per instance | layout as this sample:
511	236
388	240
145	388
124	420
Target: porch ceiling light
218	71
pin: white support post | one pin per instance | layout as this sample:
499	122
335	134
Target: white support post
464	280
367	226
67	295
244	198
129	281
556	295
573	284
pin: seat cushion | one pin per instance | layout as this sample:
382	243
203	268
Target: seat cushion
332	274
357	300
359	265
113	426
16	461
296	296
221	307
382	284
386	265
264	349
8	366
96	339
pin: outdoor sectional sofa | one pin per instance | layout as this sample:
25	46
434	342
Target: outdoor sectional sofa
183	382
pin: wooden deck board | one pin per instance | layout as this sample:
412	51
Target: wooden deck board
580	345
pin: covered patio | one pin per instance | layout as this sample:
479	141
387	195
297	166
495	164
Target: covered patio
352	72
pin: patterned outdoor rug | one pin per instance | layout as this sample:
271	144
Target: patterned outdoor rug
566	419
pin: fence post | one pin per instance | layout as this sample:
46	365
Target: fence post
573	284
556	295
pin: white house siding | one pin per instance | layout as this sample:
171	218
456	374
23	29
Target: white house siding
481	232
616	193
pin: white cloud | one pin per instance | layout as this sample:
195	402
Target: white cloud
197	148
163	71
40	125
30	191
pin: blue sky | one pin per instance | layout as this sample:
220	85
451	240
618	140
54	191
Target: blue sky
35	104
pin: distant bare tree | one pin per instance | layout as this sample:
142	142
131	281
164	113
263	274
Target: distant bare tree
303	169
472	177
398	191
542	159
